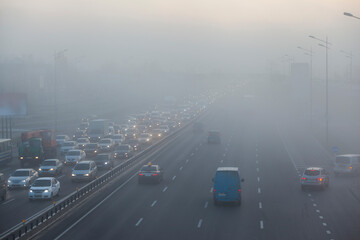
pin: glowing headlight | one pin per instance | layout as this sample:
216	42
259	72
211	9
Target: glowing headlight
36	157
95	151
106	162
40	169
9	181
23	180
108	146
30	190
73	175
51	169
86	174
21	157
147	139
46	190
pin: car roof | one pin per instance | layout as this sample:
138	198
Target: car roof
85	162
45	178
24	169
52	159
75	150
348	155
314	168
147	165
227	169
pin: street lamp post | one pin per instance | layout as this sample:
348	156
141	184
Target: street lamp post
350	15
350	56
57	55
311	54
326	46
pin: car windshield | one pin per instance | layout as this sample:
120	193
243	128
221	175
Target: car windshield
42	183
21	173
49	163
118	137
144	135
342	160
68	144
91	146
82	166
82	140
148	169
105	141
73	153
60	137
122	147
101	157
312	172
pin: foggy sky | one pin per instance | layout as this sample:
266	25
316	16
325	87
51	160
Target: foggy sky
187	36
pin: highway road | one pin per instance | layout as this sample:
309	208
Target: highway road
270	148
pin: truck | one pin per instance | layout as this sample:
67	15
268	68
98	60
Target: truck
98	129
35	146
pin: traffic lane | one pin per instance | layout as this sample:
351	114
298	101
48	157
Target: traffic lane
126	204
288	212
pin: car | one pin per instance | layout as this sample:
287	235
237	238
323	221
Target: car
106	144
214	137
3	187
227	185
164	129
156	133
347	164
81	142
66	146
23	177
173	125
84	126
104	160
150	173
144	138
85	170
92	149
314	177
141	128
79	134
123	151
134	143
74	156
51	167
44	188
60	139
118	138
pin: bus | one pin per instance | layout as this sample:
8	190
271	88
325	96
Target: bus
5	151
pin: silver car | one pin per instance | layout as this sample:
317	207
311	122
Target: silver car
74	156
51	167
85	170
314	177
22	178
67	146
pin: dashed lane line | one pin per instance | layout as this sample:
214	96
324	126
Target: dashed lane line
165	188
173	178
138	222
153	204
8	201
259	190
261	224
206	204
199	224
260	205
181	168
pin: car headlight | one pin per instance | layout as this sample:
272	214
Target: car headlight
86	174
106	162
9	181
46	190
30	190
21	157
36	157
73	175
108	146
23	180
40	169
95	151
51	169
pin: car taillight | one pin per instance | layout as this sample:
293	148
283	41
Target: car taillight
320	179
155	174
140	174
350	167
239	190
304	178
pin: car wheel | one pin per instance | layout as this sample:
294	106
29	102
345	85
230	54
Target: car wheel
3	197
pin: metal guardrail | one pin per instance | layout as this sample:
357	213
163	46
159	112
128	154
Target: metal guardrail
41	217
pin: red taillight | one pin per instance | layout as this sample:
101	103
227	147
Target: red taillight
239	190
140	174
155	174
214	190
304	178
320	179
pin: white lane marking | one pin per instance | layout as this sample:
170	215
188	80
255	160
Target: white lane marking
224	155
309	194
221	161
200	222
257	169
314	204
181	168
261	224
260	205
192	154
328	232
196	149
206	204
8	201
257	155
259	190
321	217
324	224
173	178
211	189
257	162
187	160
317	210
93	209
61	176
258	178
226	149
165	188
138	222
153	204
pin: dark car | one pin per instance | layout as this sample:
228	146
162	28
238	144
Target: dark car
135	144
150	173
104	160
3	187
92	149
123	151
214	137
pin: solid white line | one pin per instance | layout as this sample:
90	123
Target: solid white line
328	232
324	224
258	178
173	178
261	224
181	168
211	189
259	190
138	223
153	204
260	205
206	204
321	217
192	154
200	222
165	188
10	200
314	204
91	210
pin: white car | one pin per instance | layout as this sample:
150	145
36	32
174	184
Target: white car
22	178
144	138
81	142
106	144
60	139
74	156
44	188
85	170
118	138
67	146
164	129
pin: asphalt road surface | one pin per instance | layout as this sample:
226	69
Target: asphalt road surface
269	147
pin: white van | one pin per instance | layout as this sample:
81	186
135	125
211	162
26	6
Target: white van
347	164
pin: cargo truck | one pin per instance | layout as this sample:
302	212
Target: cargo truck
98	129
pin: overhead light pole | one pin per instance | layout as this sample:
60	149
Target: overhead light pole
326	46
350	56
350	15
310	53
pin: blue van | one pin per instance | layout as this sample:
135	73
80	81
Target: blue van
227	185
